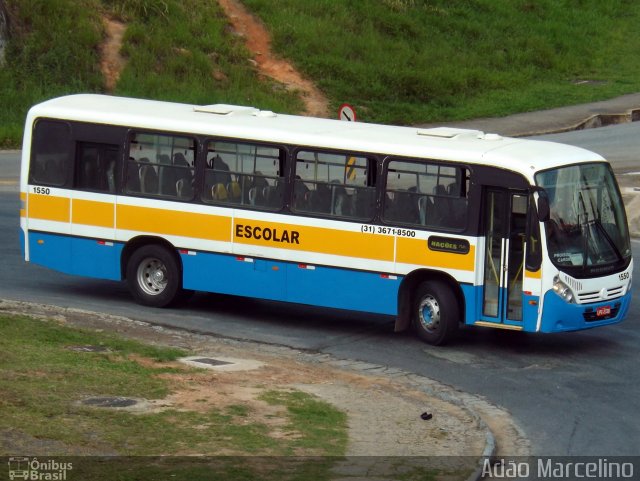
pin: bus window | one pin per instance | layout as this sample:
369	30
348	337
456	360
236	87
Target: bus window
51	153
426	194
335	184
161	165
96	167
244	174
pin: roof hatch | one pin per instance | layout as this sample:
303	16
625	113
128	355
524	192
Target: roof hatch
226	109
453	133
448	132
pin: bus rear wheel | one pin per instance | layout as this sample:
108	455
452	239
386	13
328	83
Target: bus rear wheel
436	313
153	276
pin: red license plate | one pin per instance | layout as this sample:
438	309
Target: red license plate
603	311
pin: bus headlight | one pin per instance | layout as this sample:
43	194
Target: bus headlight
562	290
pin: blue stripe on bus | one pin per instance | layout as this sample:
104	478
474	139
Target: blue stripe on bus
76	255
291	282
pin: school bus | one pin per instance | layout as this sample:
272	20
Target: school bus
438	227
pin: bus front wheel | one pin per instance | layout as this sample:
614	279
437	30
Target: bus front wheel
153	276
436	313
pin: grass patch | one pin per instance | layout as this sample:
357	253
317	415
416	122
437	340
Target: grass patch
323	426
408	61
42	380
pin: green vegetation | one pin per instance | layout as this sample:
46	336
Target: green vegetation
180	50
43	381
409	61
397	61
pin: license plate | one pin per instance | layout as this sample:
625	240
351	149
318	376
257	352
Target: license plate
603	311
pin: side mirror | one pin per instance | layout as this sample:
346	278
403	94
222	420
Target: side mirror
543	206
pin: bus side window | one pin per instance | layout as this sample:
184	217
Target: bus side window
161	165
334	184
426	194
244	174
50	153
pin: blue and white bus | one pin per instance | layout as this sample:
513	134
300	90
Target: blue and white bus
438	227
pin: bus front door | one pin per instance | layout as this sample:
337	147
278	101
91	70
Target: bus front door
505	227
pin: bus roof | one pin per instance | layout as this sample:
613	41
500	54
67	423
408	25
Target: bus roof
471	146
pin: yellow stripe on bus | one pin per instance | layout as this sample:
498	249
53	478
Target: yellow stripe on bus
533	275
171	222
313	239
90	212
415	251
48	207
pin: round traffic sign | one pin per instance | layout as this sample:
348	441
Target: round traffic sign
347	112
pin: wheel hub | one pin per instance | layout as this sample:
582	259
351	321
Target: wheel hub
429	313
152	276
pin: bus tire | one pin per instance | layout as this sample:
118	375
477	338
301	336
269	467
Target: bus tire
153	276
436	313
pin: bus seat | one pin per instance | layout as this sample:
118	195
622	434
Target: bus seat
320	199
234	191
276	194
423	206
168	181
184	189
133	177
405	209
342	205
219	192
180	160
453	189
148	180
300	194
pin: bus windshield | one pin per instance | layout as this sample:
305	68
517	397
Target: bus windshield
587	231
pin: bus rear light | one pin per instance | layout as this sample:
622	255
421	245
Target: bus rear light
388	276
306	266
105	243
187	252
244	259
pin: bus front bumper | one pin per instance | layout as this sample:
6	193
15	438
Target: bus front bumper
560	316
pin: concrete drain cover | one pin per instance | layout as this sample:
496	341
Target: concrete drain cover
220	363
110	402
211	361
88	348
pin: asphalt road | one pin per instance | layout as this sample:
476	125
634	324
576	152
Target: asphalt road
573	394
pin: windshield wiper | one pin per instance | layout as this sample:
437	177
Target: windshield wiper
607	237
587	234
